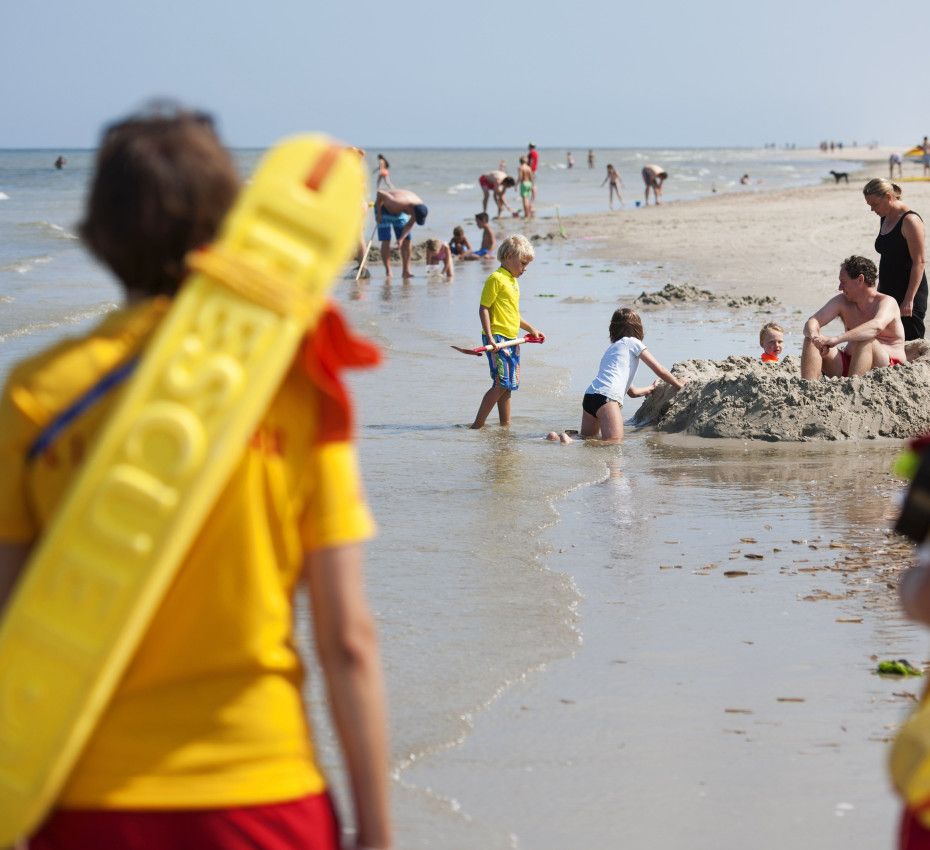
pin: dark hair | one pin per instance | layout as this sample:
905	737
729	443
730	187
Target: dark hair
507	182
386	163
855	266
625	322
482	216
162	184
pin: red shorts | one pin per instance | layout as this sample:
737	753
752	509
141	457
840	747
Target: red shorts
847	359
484	183
914	835
309	824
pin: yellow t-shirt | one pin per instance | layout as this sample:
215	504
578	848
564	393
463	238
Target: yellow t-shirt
501	295
209	712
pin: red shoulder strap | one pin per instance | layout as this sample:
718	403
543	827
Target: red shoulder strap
327	350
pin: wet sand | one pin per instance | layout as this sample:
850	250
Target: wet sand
675	644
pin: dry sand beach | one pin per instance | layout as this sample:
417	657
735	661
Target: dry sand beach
697	621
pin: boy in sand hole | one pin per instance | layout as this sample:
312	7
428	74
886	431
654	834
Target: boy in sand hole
500	319
772	340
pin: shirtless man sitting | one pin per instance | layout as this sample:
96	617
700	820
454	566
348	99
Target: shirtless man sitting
874	334
398	208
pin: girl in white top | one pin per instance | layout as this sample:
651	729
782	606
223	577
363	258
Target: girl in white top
603	400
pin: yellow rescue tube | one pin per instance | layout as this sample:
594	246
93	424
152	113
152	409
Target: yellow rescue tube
99	573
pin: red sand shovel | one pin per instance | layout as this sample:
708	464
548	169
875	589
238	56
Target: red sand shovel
483	348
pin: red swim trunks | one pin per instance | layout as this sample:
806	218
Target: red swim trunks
847	359
309	823
484	183
914	835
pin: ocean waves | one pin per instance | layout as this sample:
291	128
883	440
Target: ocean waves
26	264
48	228
30	326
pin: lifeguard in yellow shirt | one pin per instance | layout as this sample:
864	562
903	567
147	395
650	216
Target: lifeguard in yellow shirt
205	742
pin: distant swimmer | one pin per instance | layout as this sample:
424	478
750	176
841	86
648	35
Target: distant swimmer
874	335
398	209
527	187
613	176
590	158
384	173
744	180
894	161
532	157
496	183
60	163
569	160
654	176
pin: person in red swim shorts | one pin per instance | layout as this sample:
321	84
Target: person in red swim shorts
874	334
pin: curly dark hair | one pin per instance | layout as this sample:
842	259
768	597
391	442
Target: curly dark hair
856	265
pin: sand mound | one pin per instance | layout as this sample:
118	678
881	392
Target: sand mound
685	293
743	398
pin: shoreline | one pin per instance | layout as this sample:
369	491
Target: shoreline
784	242
851	582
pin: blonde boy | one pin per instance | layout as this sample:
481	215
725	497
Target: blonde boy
772	340
499	314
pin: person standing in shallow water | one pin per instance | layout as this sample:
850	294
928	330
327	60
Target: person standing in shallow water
900	243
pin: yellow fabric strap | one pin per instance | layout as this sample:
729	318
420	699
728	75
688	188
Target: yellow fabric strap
251	280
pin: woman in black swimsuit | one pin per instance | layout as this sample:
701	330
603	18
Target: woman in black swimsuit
900	242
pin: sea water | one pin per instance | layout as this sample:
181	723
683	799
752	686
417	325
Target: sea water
559	654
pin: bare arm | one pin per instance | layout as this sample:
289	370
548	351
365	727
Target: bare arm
871	329
13	557
530	329
660	370
639	392
826	314
484	316
406	231
913	230
347	646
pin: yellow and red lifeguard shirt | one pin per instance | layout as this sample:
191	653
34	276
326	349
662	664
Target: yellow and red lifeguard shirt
209	712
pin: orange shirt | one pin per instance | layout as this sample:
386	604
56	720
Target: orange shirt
209	712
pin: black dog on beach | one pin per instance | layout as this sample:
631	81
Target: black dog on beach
840	175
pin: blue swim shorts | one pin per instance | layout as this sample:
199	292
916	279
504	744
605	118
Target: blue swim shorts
505	364
389	220
481	252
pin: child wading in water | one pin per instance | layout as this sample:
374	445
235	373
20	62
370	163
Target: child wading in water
499	314
602	403
384	174
615	183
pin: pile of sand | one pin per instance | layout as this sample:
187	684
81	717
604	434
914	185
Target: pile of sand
685	293
743	398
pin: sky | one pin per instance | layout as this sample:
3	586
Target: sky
474	74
